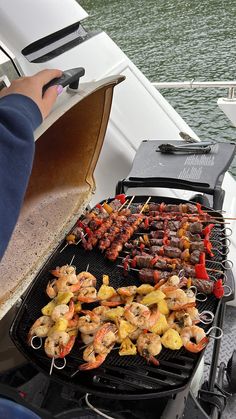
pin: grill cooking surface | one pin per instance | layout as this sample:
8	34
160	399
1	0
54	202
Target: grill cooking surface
120	376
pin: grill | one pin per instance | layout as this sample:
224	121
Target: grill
120	377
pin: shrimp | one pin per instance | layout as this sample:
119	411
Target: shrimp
58	344
137	314
63	270
191	296
89	323
87	339
93	359
101	312
197	333
87	295
63	310
194	314
105	338
135	334
65	349
68	283
40	328
149	345
179	319
154	316
127	291
73	322
86	279
51	289
113	301
176	299
172	283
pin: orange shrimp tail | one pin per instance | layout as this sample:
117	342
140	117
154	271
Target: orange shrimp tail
197	347
153	360
203	343
74	321
170	288
29	338
160	283
71	311
125	293
196	321
87	300
55	272
65	350
92	365
75	287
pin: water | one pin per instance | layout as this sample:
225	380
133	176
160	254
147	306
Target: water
177	40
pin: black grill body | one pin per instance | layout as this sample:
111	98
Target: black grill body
118	377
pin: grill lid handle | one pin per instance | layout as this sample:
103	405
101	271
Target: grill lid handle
69	77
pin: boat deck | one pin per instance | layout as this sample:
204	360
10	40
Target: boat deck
228	344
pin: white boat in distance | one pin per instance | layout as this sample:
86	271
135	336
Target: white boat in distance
36	37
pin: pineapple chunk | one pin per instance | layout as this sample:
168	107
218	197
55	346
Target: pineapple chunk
171	339
153	298
125	328
60	325
163	307
105	292
127	347
105	279
63	297
145	289
161	326
114	313
78	307
48	309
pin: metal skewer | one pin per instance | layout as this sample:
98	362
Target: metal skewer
58	367
226	239
208	269
32	342
53	364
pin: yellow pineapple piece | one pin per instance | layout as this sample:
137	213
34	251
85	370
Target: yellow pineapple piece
127	347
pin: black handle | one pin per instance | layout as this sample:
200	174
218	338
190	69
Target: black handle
69	77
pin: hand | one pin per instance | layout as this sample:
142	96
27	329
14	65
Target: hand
32	87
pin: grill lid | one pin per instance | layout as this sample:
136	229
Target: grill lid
67	149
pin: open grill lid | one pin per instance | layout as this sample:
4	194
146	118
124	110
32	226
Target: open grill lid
60	187
122	377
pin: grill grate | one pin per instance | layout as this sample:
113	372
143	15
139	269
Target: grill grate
123	377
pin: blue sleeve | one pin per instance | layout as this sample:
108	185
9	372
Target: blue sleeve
19	116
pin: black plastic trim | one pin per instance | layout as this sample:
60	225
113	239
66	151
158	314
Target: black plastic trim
32	52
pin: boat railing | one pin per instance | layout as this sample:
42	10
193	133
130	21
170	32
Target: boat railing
230	85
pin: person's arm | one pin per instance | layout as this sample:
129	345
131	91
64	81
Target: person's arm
22	109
